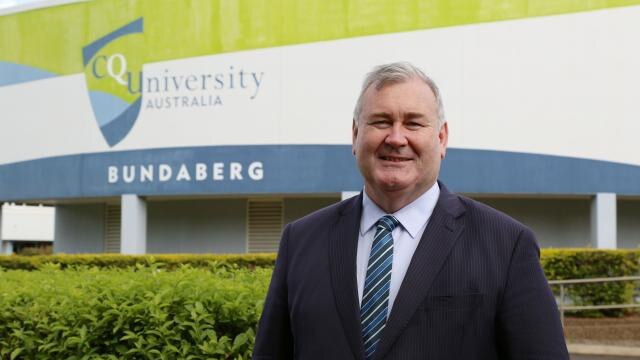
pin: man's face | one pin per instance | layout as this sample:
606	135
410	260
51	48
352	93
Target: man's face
397	141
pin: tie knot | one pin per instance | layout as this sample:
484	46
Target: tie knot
388	222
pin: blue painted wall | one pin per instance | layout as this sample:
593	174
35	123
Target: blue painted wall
297	169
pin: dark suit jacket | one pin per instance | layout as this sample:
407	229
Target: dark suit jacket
474	290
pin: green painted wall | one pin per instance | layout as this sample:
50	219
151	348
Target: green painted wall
51	38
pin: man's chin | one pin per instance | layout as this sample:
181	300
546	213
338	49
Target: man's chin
393	186
396	186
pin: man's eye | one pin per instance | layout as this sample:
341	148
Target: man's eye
414	125
380	123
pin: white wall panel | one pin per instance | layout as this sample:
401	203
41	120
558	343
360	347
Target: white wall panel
561	85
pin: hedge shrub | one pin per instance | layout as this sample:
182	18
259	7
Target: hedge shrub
123	261
146	313
558	264
586	263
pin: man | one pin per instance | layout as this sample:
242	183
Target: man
407	270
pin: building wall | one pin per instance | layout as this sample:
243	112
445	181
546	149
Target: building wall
253	141
489	78
196	226
79	228
556	222
184	226
295	208
629	223
219	226
27	223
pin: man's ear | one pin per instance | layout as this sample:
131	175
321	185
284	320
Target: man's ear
354	136
443	138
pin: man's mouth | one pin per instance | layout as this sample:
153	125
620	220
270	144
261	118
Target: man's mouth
394	158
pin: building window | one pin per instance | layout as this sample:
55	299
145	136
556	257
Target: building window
112	226
264	225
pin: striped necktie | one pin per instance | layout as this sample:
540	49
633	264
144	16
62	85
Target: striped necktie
375	298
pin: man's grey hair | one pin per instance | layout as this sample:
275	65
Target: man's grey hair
395	73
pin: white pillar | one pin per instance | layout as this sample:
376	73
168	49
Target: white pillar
133	238
7	248
348	194
2	243
604	221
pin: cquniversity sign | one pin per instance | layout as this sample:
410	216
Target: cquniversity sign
199	104
118	90
114	81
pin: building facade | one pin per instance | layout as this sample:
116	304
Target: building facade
26	228
156	126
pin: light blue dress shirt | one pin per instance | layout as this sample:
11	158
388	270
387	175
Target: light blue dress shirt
413	219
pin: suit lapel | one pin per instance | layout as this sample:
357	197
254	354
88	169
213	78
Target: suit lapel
343	242
437	241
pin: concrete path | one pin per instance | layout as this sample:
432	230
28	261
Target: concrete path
598	357
602	352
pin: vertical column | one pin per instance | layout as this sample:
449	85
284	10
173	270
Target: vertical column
604	221
7	248
134	225
2	244
348	194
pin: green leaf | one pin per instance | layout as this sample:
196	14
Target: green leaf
15	353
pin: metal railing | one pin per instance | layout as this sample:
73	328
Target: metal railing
561	303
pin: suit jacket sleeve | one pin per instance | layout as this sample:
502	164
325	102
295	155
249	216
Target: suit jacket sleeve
274	340
528	322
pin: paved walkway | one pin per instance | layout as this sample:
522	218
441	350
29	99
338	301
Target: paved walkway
602	352
598	357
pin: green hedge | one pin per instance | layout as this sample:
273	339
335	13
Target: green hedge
189	306
123	261
585	263
146	313
558	264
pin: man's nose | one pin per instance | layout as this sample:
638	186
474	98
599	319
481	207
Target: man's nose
396	137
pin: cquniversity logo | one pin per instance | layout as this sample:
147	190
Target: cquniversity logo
114	80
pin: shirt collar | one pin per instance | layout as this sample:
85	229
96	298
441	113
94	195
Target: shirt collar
412	217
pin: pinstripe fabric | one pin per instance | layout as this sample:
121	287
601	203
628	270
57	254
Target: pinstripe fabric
375	297
474	290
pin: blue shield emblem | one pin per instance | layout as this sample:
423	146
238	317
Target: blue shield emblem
113	72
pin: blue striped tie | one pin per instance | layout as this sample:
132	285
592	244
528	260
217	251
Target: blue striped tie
375	297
